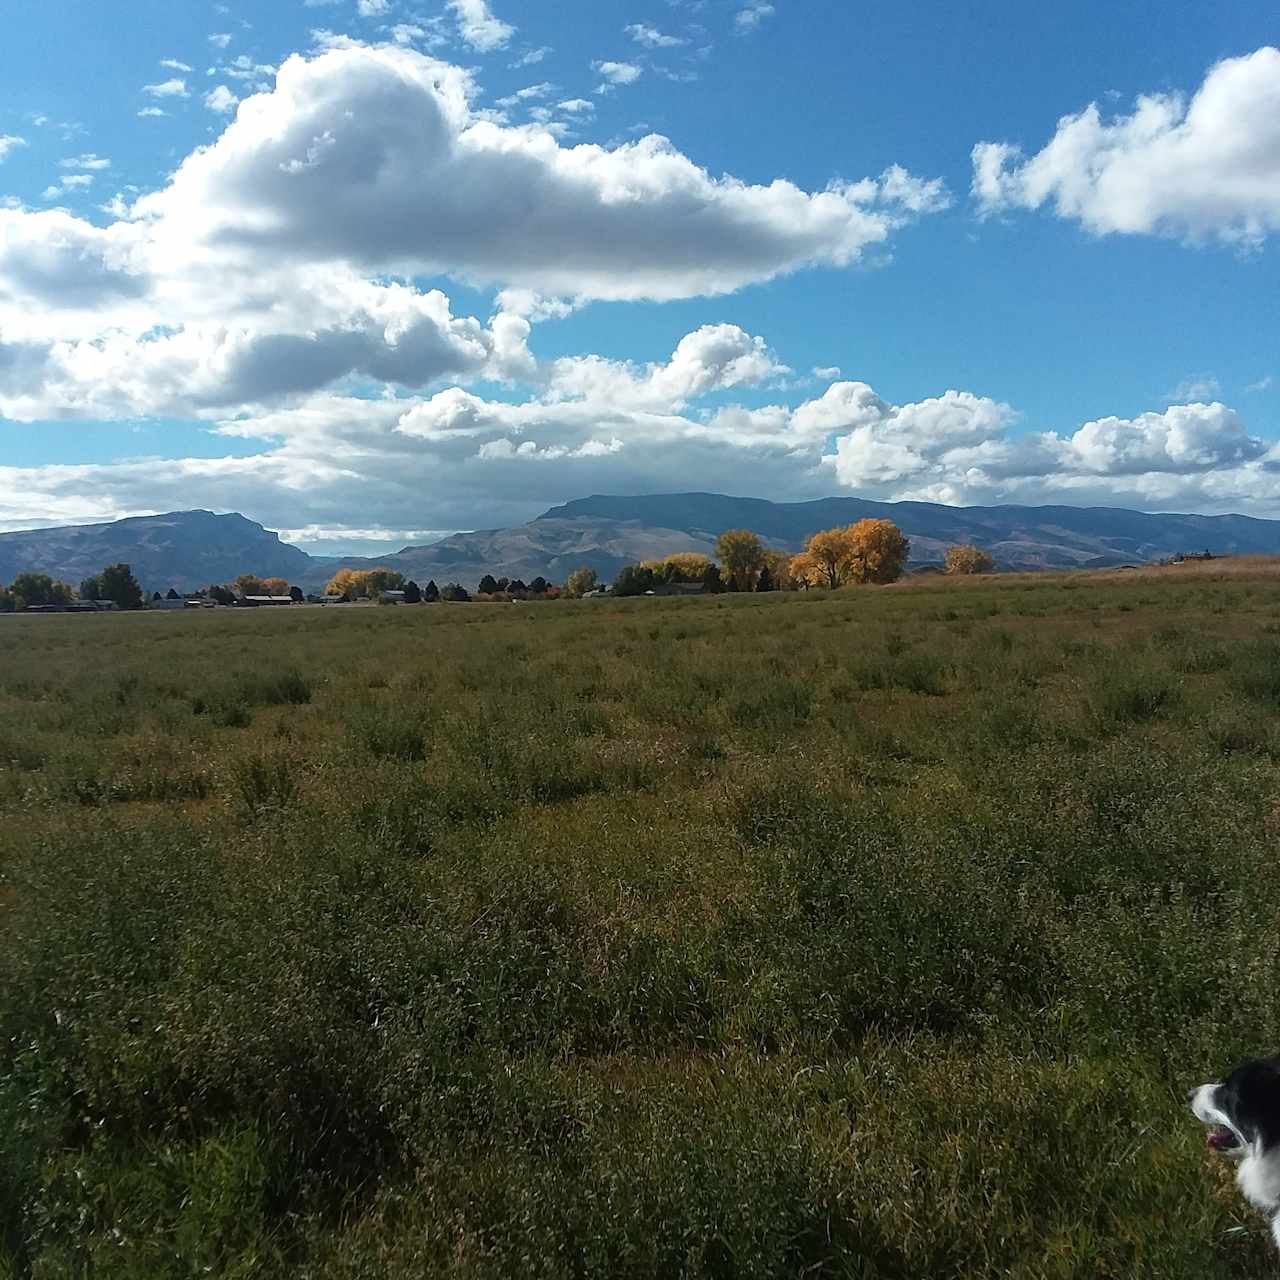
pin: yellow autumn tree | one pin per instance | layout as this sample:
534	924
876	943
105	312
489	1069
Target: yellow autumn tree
347	583
831	553
804	571
351	584
249	584
966	558
686	566
778	564
741	557
275	586
683	566
880	551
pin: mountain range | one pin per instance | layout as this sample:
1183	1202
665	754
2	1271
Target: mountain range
188	549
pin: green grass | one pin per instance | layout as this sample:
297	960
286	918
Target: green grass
875	934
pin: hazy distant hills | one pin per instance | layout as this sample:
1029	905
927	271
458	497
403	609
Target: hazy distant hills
182	549
193	548
1018	537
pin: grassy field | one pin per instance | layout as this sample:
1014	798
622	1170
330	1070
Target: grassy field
875	934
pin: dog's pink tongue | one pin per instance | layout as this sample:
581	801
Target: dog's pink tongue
1220	1138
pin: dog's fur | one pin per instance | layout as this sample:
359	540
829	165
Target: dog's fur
1242	1113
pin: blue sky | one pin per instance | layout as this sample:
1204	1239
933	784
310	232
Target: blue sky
357	323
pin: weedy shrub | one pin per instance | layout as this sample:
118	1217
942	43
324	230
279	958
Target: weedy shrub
1256	672
272	688
1124	697
391	734
264	782
776	704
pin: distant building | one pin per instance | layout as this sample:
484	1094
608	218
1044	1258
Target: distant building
254	601
678	589
392	597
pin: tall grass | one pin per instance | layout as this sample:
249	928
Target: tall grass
871	934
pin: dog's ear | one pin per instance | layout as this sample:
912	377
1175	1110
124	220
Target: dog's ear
1257	1099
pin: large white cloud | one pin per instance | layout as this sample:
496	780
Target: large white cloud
410	340
713	358
1209	168
373	156
267	267
960	447
456	459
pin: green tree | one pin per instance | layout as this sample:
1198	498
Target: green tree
580	581
221	595
741	557
31	590
296	595
455	593
379	580
711	580
412	592
488	585
765	581
431	593
538	587
7	602
171	594
91	589
249	584
119	584
633	580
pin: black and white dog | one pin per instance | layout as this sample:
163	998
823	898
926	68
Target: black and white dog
1242	1113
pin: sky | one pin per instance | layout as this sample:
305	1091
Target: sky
373	270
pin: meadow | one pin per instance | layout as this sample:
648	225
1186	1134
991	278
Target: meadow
873	934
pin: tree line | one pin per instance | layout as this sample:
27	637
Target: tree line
868	551
115	584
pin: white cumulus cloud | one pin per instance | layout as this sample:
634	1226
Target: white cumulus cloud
221	99
752	14
616	73
479	29
1207	168
175	88
374	157
651	37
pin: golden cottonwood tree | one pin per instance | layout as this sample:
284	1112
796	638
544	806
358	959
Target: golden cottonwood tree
966	558
830	553
880	551
741	557
868	551
804	571
580	581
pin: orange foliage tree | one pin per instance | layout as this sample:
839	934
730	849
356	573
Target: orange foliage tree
966	558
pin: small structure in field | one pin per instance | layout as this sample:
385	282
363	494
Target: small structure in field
254	602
